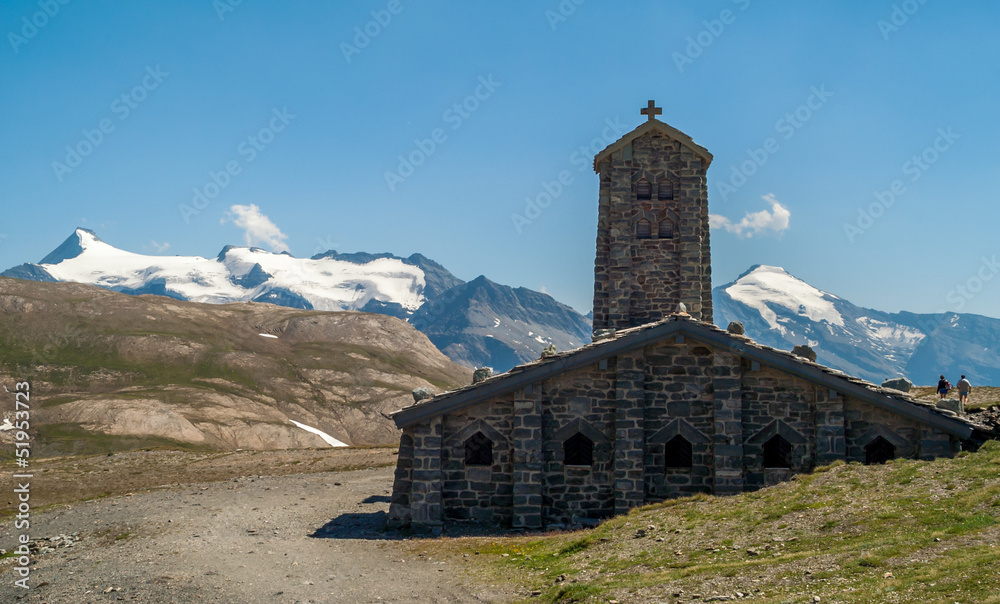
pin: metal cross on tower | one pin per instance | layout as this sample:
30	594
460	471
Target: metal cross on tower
651	111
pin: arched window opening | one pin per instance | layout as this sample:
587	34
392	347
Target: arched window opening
578	450
666	229
879	451
643	190
666	190
677	453
478	450
777	453
643	229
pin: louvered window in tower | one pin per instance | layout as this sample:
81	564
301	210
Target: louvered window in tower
677	453
879	451
666	229
666	190
777	453
643	190
643	229
478	450
578	450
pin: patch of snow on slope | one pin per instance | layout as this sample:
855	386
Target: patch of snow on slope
268	335
891	334
772	285
333	442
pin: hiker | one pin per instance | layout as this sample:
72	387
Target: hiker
964	388
943	387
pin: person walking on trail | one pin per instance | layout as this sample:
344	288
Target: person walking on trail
943	387
964	388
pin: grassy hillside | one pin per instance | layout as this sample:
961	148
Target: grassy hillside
909	531
112	372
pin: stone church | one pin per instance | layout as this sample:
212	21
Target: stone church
662	403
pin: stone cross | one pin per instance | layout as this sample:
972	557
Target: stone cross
651	111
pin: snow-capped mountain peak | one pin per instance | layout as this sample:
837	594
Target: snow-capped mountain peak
763	286
238	274
780	310
452	313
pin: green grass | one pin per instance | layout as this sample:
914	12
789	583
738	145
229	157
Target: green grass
73	439
864	534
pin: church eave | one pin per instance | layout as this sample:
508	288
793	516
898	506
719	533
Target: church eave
525	375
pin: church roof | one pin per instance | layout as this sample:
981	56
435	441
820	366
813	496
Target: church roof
657	125
678	325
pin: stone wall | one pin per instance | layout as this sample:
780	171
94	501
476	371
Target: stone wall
679	401
775	403
630	407
863	423
581	401
399	506
480	493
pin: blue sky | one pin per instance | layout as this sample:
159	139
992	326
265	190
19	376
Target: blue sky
871	125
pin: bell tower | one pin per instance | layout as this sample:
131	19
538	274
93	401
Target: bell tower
652	229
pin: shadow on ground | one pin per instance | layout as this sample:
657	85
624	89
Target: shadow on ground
357	525
372	526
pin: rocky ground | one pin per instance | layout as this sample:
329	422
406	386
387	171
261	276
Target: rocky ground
314	537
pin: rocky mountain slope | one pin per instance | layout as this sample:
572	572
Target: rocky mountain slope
782	311
378	283
503	326
110	371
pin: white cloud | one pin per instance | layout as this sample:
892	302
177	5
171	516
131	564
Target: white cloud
258	228
158	247
773	221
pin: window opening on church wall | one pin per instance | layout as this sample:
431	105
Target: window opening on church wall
578	450
643	190
643	229
879	451
665	190
478	450
677	453
777	453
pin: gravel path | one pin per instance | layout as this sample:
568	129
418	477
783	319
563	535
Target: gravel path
300	538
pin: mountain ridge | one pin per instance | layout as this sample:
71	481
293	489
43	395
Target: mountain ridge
380	283
780	310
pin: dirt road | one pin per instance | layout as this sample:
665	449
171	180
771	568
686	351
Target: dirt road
298	538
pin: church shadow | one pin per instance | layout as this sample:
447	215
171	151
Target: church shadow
372	526
357	525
